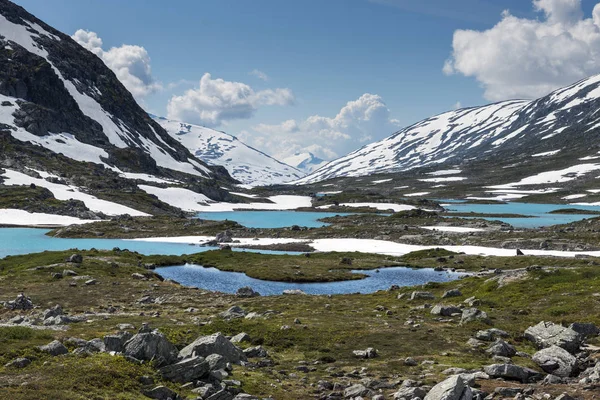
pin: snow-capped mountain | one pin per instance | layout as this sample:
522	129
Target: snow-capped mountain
59	96
244	163
305	162
565	123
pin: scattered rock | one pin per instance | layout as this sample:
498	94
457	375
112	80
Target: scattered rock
91	282
546	334
214	344
409	393
161	393
75	258
585	329
502	349
368	353
453	388
293	292
137	275
116	342
187	370
54	348
556	361
22	302
233	312
18	363
474	314
491	334
445	311
241	337
53	312
357	390
246	291
151	346
421	296
511	372
257	351
451	293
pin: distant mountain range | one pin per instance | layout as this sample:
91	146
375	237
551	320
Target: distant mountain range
563	126
244	163
306	162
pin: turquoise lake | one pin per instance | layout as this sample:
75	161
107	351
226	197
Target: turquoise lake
230	282
270	219
539	212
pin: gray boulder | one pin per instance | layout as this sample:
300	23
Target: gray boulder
502	349
161	393
474	314
151	346
214	344
224	237
54	348
217	361
357	390
409	393
451	293
556	361
75	258
117	342
546	334
257	351
367	353
241	337
421	296
22	302
53	312
585	329
18	363
445	311
453	388
512	372
233	312
491	334
187	370
246	291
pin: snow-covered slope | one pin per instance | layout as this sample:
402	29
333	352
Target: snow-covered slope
565	122
58	95
305	162
244	163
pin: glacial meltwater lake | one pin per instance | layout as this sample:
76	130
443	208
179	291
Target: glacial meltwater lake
271	219
230	282
16	241
539	213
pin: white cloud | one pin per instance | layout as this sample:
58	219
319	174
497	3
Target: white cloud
359	121
259	74
215	101
457	105
528	58
131	64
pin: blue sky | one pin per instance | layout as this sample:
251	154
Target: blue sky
325	53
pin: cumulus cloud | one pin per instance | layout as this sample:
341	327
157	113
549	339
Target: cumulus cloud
216	100
131	64
528	58
358	122
259	74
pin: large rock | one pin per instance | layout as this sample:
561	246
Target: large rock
472	315
501	348
187	370
357	390
116	342
246	291
22	302
214	344
491	334
54	348
53	312
151	346
445	311
234	312
409	393
161	393
512	372
453	388
556	361
585	329
546	334
421	296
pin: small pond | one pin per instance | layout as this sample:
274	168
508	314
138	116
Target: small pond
270	219
229	282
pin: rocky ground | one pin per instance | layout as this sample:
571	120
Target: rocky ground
101	325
